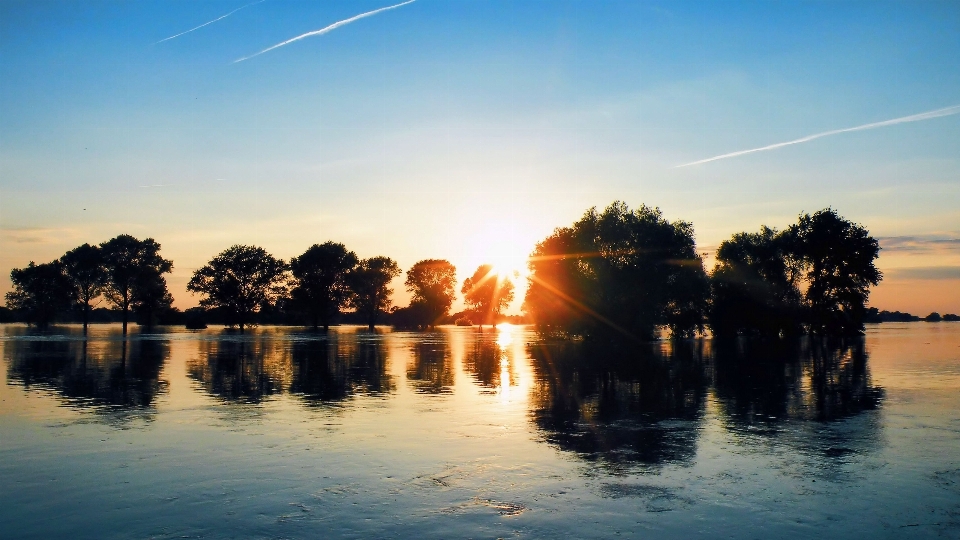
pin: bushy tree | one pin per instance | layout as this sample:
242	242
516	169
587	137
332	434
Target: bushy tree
40	292
320	281
836	256
431	283
134	274
619	271
369	283
487	294
240	281
84	266
755	286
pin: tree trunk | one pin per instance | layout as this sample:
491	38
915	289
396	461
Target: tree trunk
86	316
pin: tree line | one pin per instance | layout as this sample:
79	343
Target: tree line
243	282
617	272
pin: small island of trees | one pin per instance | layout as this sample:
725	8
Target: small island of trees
616	273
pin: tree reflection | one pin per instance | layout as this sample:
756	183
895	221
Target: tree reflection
243	370
766	388
432	371
634	406
114	378
339	367
482	358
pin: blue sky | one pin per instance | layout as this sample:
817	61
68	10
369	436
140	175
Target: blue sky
467	130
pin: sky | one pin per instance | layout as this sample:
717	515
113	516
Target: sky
469	130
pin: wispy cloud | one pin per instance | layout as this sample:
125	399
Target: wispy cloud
946	111
921	243
324	30
210	22
925	272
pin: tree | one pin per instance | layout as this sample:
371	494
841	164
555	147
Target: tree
134	273
837	257
84	266
369	284
320	281
432	283
754	286
40	292
487	293
620	272
241	281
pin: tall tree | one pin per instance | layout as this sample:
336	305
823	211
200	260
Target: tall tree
241	280
320	281
431	282
40	292
133	265
837	256
487	293
84	266
754	286
619	271
369	284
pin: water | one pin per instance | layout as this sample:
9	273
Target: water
282	433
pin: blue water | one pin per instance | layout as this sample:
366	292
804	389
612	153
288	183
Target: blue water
284	433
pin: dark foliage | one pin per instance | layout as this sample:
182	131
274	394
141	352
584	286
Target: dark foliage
620	272
135	277
240	281
431	283
320	288
84	265
369	284
40	292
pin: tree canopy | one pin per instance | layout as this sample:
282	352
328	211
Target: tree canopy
84	266
135	274
369	283
487	293
240	281
320	287
619	272
431	283
759	277
40	292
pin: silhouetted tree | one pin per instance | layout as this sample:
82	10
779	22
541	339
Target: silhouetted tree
837	257
622	272
320	281
431	283
134	274
487	293
40	292
369	284
84	266
241	281
151	299
755	286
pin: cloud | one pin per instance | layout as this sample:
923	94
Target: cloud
921	243
210	22
946	111
925	272
324	30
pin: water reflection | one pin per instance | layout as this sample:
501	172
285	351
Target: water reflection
334	369
118	379
796	391
639	406
241	370
432	369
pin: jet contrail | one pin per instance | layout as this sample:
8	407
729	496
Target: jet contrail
211	22
324	30
947	111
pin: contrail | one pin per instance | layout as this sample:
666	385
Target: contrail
211	22
947	111
324	30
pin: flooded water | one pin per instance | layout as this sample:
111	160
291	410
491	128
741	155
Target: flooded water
283	433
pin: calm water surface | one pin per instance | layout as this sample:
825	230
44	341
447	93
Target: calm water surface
283	433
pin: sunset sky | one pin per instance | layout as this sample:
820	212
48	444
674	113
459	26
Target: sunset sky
468	130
